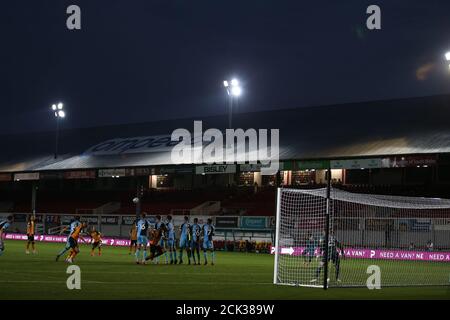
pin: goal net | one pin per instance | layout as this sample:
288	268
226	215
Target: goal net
407	238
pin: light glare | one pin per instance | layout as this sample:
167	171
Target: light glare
447	56
236	91
61	114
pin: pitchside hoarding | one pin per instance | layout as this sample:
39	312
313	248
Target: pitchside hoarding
227	222
253	222
380	254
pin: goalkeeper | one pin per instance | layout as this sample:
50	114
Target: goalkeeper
308	253
334	246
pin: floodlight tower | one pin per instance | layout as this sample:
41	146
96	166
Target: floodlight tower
59	112
234	91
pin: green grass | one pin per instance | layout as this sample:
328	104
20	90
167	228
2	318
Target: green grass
115	276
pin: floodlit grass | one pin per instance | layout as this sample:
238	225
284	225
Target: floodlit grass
115	276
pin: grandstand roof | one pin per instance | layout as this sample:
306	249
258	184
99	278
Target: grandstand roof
366	129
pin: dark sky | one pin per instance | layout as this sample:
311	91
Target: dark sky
141	60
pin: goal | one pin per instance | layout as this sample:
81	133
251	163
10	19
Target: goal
406	238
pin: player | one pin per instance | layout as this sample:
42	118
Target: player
208	233
73	242
133	238
4	225
96	237
170	241
195	243
158	226
31	228
142	238
334	246
155	248
309	250
73	224
185	240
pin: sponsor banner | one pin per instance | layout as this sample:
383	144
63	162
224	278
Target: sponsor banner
227	222
410	161
159	143
307	165
376	254
356	164
5	176
142	171
51	175
272	222
420	224
128	220
442	224
20	217
108	173
89	219
249	167
109	220
176	170
62	239
215	169
80	174
253	222
26	176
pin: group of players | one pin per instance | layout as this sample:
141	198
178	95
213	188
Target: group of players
76	229
161	237
31	229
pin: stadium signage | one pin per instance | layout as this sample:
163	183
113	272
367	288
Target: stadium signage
82	174
305	165
357	253
105	173
159	143
110	220
253	222
216	169
356	164
5	177
227	222
51	175
410	161
26	176
128	220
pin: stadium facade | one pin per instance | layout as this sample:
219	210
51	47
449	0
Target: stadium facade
392	147
394	142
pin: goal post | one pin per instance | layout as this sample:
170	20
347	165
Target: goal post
406	238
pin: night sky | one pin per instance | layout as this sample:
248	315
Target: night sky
144	60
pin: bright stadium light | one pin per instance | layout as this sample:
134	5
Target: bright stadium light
233	91
236	91
58	111
447	56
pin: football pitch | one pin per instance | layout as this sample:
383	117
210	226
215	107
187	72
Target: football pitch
114	275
